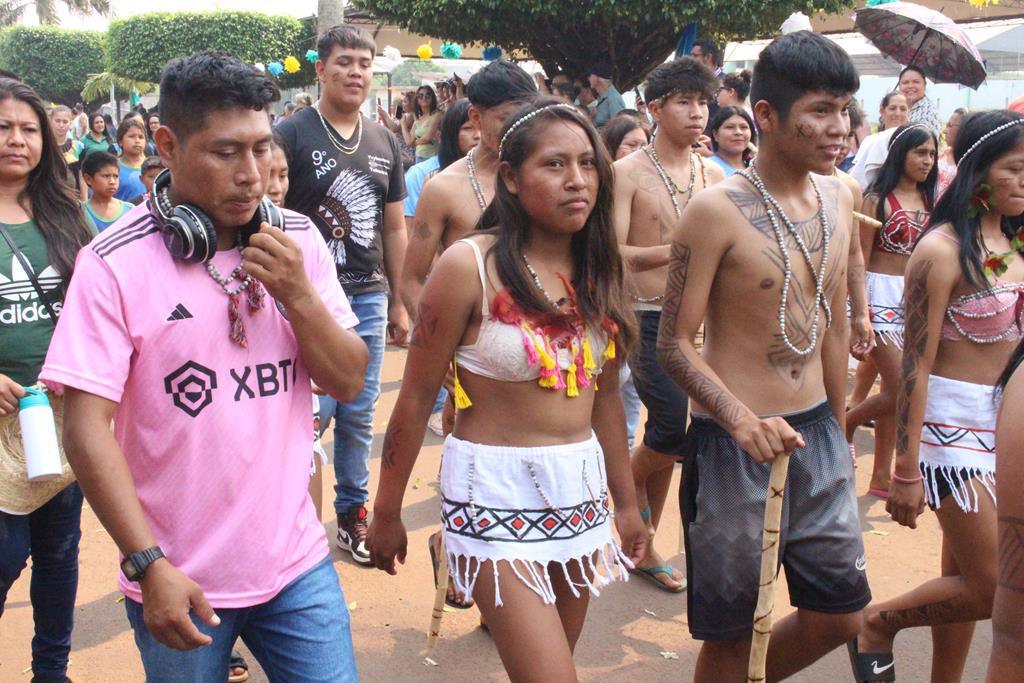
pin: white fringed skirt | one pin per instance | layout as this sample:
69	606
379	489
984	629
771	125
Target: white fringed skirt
535	509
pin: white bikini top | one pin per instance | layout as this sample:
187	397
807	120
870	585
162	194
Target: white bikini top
508	352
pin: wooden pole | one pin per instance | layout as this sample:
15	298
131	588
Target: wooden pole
442	591
769	570
867	220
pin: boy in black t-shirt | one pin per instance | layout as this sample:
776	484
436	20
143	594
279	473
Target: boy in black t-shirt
346	175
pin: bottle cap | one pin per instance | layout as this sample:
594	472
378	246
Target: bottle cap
32	399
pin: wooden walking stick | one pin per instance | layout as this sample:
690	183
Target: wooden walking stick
442	592
769	570
867	220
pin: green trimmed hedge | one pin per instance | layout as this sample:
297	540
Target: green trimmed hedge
55	61
138	47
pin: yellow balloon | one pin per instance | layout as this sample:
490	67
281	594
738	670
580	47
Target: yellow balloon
424	52
291	64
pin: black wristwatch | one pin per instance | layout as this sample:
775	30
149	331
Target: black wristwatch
134	566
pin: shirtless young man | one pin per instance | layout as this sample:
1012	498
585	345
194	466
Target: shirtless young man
763	386
451	203
652	186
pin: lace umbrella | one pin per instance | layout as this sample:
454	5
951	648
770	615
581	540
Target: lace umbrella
918	36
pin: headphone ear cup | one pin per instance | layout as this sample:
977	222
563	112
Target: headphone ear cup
271	213
194	232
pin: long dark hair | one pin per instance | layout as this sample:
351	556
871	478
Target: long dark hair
47	198
617	128
724	114
433	100
448	151
906	137
955	204
597	266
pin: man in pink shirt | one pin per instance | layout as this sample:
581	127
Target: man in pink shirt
205	371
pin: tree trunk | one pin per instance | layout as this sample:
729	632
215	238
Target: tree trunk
329	13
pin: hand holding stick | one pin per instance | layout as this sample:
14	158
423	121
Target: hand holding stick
769	570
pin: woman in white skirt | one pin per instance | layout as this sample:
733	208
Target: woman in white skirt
900	198
532	310
964	297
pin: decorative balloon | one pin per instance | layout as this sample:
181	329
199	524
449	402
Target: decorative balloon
425	52
275	68
312	56
451	50
492	53
291	64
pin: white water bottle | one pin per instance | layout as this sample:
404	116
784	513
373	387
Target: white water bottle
39	437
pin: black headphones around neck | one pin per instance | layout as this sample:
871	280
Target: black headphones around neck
189	233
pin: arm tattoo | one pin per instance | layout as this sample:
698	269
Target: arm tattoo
389	451
722	406
1011	553
915	341
953	610
420	230
426	326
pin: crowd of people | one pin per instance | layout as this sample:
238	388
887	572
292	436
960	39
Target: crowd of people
556	264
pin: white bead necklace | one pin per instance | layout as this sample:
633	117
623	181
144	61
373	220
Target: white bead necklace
670	185
820	300
474	182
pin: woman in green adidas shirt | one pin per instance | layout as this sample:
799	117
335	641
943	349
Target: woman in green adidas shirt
43	225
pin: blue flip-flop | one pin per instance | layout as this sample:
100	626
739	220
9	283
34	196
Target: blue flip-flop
651	574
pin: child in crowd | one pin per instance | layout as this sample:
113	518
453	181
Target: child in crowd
100	171
150	169
131	138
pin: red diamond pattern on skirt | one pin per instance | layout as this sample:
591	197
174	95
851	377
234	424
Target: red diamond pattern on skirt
499	524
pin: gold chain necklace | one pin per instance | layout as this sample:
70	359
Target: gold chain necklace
336	139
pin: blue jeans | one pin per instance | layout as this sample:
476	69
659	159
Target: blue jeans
51	535
302	634
631	402
353	422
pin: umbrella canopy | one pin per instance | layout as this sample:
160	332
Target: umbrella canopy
918	36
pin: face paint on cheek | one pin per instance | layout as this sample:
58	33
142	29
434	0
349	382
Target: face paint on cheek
808	130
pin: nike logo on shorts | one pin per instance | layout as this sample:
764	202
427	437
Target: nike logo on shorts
861	564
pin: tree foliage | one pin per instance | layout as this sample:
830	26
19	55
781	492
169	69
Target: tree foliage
139	47
633	35
55	61
12	11
410	72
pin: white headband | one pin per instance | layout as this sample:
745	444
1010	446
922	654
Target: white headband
526	118
986	136
896	137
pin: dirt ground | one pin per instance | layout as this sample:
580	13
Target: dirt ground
634	632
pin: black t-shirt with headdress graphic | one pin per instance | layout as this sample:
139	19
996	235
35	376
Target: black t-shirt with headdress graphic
344	194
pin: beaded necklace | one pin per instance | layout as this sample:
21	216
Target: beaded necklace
336	139
670	185
536	281
820	300
474	182
254	295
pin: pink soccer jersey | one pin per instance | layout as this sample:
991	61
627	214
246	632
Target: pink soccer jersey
216	435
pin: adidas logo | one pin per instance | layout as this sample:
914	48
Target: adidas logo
179	313
18	287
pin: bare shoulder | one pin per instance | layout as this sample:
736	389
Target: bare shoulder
850	182
716	206
832	186
626	170
714	172
458	261
936	257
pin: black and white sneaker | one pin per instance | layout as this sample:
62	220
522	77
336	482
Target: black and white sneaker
352	534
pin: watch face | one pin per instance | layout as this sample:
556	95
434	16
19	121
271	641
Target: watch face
128	568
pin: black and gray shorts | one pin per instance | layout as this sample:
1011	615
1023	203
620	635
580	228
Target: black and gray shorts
665	428
722	499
